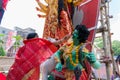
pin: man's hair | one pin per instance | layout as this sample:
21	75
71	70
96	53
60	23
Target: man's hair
31	35
82	32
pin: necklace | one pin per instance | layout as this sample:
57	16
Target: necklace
69	53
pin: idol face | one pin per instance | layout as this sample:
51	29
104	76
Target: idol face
75	37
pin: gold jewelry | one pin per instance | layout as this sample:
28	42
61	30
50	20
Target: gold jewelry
77	2
69	53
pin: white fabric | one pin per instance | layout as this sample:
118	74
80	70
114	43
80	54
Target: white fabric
46	67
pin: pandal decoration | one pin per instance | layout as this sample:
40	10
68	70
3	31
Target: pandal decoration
58	22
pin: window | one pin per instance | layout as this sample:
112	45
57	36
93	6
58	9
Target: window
3	32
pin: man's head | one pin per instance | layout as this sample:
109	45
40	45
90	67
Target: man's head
32	35
81	33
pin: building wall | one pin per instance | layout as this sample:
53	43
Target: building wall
10	49
4	30
24	32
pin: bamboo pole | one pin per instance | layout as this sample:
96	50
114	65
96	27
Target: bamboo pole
105	35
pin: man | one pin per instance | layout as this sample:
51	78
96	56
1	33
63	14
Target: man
30	56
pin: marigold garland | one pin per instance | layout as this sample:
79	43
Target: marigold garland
69	53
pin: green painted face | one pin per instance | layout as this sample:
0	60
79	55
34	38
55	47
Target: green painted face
75	37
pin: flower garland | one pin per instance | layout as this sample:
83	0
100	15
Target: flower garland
69	53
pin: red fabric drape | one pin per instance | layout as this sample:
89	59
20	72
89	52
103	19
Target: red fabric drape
4	4
2	76
30	56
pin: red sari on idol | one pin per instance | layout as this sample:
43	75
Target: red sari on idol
28	59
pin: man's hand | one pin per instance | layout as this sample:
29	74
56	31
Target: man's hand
91	57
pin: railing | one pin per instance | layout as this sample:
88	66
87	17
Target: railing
5	63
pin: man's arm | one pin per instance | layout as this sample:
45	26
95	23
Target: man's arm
93	61
61	40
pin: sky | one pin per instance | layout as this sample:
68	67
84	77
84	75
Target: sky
115	21
22	13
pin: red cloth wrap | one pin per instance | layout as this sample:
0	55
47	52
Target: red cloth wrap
31	55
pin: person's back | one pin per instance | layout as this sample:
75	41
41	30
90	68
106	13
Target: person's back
29	57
